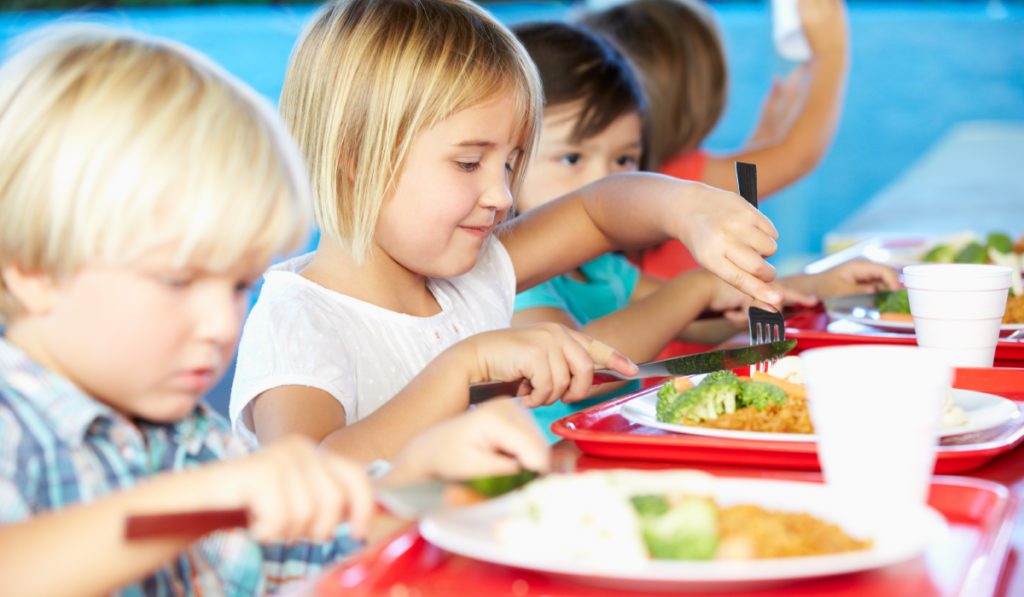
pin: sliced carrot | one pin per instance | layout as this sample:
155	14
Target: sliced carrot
682	384
896	317
793	390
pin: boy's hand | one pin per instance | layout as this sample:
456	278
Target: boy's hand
495	438
294	490
730	238
556	363
825	25
858	276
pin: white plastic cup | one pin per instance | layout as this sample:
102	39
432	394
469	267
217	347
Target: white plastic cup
788	31
876	412
958	309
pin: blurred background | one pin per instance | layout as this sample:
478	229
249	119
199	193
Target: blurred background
919	71
919	68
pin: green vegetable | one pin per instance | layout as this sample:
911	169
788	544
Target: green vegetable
715	395
495	486
760	394
892	302
999	242
972	253
940	254
688	530
649	505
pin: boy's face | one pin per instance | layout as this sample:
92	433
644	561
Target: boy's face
561	165
146	338
452	191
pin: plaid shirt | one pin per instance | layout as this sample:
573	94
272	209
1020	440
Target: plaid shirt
59	447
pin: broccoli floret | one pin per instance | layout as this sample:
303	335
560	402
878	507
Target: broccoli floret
649	505
668	399
972	253
892	302
687	531
703	402
760	394
940	254
495	486
719	377
999	242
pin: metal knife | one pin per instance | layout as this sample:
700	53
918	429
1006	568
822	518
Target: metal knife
691	364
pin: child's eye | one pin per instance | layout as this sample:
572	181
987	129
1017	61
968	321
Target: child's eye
627	161
509	166
570	159
468	166
176	282
244	286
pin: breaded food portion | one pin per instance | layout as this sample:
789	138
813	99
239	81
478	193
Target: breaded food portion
1014	310
792	416
765	533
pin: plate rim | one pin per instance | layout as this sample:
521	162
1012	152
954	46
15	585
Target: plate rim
707	572
802	438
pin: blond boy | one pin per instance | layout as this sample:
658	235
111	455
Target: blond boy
142	192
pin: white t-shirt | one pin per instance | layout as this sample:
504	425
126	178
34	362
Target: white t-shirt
302	334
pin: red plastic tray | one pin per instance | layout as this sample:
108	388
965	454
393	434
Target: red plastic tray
814	329
967	562
601	430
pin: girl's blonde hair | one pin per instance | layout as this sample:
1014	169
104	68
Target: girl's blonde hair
676	47
368	75
114	143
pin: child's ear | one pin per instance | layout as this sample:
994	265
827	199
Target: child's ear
35	292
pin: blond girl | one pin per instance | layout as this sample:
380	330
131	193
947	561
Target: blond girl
417	119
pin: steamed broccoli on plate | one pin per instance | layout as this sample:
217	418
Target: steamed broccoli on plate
969	249
685	529
895	301
719	393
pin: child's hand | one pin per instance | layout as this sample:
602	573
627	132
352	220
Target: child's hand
858	276
295	490
730	238
734	303
824	23
780	107
556	363
495	438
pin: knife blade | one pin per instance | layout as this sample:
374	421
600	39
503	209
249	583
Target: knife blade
691	364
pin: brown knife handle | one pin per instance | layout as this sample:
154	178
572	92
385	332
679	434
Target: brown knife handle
184	524
482	392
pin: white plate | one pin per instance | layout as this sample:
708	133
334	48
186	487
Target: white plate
470	532
984	411
860	308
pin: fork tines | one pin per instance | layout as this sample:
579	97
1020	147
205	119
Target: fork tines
765	326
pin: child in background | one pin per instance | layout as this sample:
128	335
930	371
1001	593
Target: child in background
416	118
593	127
142	192
676	46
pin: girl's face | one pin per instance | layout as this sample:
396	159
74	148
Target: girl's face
452	191
147	338
562	165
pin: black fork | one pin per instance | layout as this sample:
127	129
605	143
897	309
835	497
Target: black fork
764	325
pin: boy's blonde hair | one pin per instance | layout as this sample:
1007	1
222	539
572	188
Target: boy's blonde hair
114	142
368	75
677	50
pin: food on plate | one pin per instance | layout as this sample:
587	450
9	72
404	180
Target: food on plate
970	249
724	400
621	517
771	402
895	306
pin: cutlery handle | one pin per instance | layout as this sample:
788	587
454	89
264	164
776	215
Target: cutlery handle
746	182
185	523
481	392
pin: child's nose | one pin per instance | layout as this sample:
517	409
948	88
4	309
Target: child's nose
220	320
497	197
